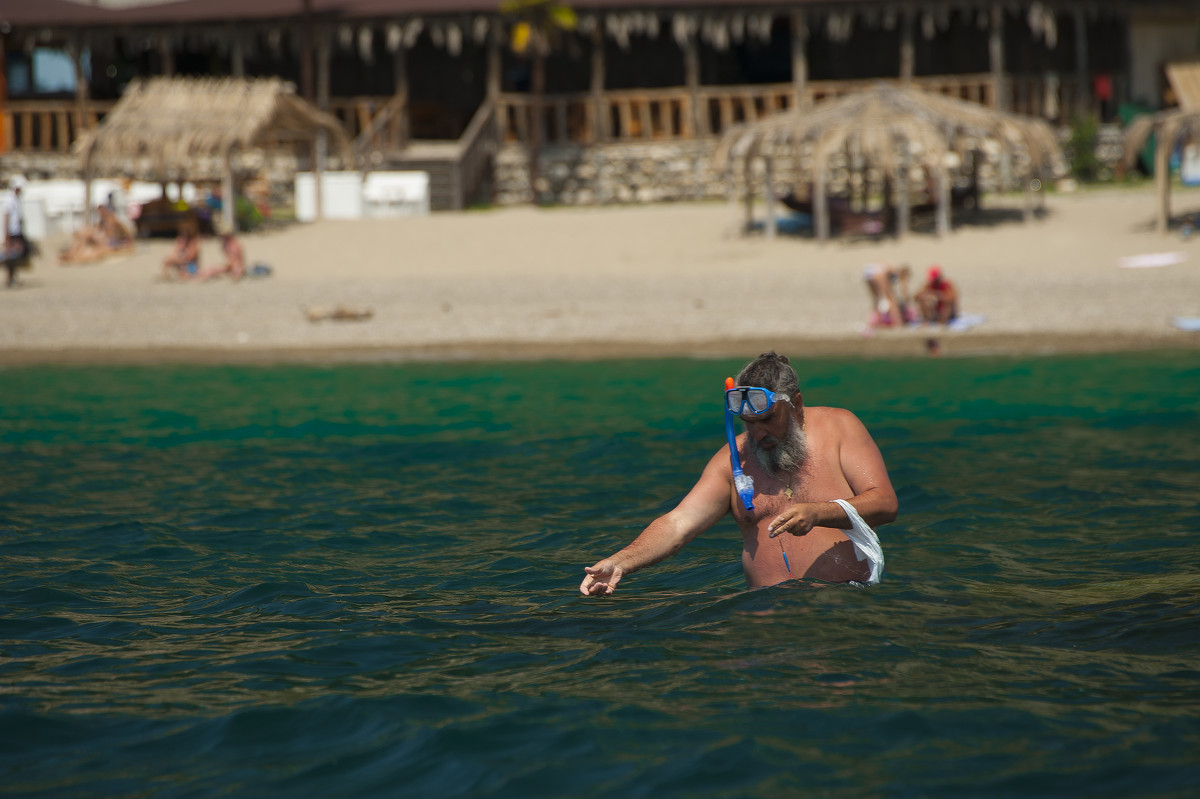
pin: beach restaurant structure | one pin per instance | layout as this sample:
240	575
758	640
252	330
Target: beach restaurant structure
635	95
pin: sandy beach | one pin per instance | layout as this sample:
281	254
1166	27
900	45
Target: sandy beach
616	282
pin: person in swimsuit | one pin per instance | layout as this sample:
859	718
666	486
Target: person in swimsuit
801	461
183	262
938	299
235	260
888	287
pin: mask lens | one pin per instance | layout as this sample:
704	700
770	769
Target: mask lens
733	400
757	398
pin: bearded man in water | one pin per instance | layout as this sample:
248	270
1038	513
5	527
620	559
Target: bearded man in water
802	461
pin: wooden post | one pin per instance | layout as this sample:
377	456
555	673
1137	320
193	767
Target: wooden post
306	52
996	56
400	86
1162	176
5	143
769	197
748	198
167	54
799	59
87	188
228	198
1083	91
904	210
237	54
820	200
907	46
600	121
81	86
323	68
691	68
318	160
943	201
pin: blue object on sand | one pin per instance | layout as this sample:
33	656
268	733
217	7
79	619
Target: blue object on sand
1189	323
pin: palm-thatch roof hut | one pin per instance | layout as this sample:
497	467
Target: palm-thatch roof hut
898	130
191	127
1171	129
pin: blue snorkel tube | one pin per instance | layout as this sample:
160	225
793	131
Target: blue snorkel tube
743	484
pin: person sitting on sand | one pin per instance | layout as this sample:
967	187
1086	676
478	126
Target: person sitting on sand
890	301
235	260
815	473
96	241
183	262
938	299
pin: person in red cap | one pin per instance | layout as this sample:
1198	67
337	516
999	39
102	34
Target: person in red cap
938	299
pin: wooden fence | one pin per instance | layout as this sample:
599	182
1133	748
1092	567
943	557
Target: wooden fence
627	115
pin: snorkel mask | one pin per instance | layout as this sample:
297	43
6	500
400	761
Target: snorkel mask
745	401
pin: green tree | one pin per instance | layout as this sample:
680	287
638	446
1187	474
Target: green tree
537	27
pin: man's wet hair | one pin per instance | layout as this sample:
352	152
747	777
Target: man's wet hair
770	371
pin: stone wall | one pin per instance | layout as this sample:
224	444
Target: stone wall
585	175
670	171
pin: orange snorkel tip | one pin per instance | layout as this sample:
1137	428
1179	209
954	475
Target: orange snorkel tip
729	383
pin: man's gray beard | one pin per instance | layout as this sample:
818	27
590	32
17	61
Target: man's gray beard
788	454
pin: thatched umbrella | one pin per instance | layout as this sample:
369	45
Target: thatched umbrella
895	128
1171	128
192	126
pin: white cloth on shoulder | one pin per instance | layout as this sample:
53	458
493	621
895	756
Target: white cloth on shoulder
866	543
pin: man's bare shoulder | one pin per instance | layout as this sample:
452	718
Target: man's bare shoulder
830	416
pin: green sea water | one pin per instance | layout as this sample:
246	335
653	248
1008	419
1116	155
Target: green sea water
361	580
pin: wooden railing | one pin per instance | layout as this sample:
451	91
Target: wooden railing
647	115
357	113
49	126
625	115
475	149
387	129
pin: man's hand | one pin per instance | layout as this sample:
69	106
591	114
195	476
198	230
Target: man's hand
797	519
601	579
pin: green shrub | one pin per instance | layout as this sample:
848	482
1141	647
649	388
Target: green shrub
1085	134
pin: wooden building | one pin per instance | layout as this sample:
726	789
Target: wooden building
432	84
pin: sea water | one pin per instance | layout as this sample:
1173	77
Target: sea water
362	580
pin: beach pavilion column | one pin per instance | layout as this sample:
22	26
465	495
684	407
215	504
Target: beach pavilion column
400	86
1164	138
5	138
904	208
799	58
996	57
306	54
82	96
167	55
819	198
691	69
1083	89
228	218
908	50
943	203
599	68
237	53
320	145
769	196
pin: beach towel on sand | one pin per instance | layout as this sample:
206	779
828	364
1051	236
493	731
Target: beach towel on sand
966	322
866	543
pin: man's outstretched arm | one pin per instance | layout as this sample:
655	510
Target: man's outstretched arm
707	502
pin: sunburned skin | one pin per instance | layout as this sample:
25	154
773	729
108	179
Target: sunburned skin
801	460
823	553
